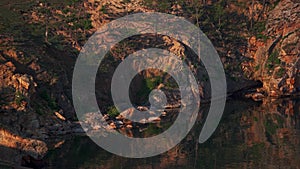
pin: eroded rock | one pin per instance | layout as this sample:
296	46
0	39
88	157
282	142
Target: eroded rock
277	61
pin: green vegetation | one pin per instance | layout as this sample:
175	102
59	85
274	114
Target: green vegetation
103	9
84	24
50	100
149	84
256	151
87	24
270	127
72	2
160	5
257	67
262	36
143	93
275	4
219	13
280	72
113	111
272	123
258	27
273	60
19	97
255	119
39	108
152	130
205	78
56	41
36	29
213	18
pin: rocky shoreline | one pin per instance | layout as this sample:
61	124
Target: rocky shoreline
259	48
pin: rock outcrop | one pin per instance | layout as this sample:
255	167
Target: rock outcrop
39	47
276	61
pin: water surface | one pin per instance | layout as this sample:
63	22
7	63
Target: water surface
250	135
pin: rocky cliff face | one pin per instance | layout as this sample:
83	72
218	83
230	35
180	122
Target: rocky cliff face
39	43
276	59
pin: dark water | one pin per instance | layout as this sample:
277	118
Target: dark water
250	135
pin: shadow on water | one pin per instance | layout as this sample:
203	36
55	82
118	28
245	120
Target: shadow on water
250	135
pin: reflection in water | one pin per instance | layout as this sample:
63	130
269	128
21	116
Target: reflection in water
250	135
265	136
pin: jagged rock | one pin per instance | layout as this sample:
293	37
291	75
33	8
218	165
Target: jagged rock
58	115
276	61
34	147
142	108
255	96
129	126
113	125
153	119
24	84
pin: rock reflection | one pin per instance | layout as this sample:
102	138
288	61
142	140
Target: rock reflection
264	136
250	135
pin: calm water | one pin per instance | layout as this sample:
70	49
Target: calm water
250	135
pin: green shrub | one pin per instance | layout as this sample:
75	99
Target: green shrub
50	100
84	24
280	72
87	24
103	9
161	6
151	83
72	2
258	27
113	111
257	67
38	108
152	130
262	36
19	97
147	86
273	59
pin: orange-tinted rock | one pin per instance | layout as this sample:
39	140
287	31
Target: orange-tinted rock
23	83
276	60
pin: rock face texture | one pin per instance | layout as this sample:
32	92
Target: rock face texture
39	44
35	147
276	61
